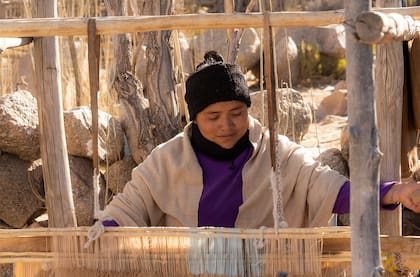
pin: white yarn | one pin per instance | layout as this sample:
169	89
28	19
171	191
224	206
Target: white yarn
96	191
283	224
278	213
98	228
94	232
259	243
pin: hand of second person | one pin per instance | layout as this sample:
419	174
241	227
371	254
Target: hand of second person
408	194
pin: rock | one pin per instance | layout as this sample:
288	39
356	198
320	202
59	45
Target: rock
342	84
287	54
21	197
334	159
3	225
6	270
416	173
78	125
294	113
119	173
81	171
313	52
323	5
249	49
344	142
19	132
333	104
330	40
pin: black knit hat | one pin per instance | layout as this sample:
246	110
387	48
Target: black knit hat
215	81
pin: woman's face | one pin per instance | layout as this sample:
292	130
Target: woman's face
223	123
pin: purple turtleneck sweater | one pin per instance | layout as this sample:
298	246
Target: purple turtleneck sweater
222	189
222	192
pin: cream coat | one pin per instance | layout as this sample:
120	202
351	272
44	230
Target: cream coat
165	189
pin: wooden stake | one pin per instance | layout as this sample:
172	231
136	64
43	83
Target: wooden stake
270	85
364	152
55	164
389	83
94	58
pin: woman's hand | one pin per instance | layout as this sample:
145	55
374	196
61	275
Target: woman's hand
406	193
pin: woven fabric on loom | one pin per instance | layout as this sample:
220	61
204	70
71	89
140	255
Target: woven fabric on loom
189	252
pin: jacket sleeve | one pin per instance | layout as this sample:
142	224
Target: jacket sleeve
135	206
309	189
342	204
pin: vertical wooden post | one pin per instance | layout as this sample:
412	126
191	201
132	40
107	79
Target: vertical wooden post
55	164
270	85
94	57
2	10
364	153
389	83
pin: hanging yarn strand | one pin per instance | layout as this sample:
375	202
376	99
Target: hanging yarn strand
278	211
279	221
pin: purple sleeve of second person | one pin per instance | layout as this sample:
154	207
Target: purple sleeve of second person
342	203
110	223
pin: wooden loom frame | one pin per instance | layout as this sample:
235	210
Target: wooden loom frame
33	245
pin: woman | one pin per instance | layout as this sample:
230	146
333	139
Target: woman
217	172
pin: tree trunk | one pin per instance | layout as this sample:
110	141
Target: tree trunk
149	117
389	82
55	164
235	37
160	87
76	70
364	153
121	42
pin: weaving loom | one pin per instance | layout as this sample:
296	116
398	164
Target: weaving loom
173	251
186	251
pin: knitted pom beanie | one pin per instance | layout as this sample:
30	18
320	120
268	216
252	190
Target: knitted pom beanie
215	81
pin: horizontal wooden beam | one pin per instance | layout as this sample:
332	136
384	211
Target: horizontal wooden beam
377	27
43	27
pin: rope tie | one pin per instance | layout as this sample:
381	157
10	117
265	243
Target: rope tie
259	243
94	232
